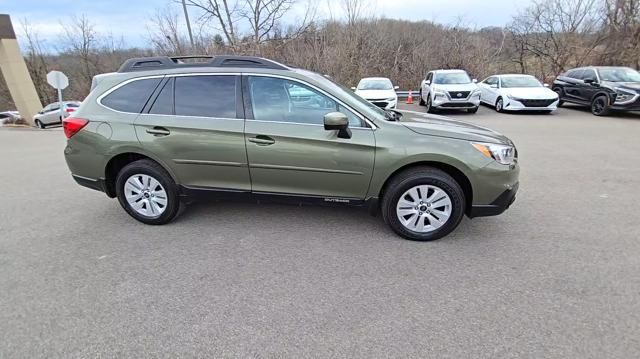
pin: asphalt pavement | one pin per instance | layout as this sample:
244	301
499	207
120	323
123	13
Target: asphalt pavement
556	276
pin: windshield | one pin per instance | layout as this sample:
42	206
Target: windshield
375	85
452	78
619	74
520	81
343	91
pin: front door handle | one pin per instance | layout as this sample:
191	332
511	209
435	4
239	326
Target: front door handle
158	131
262	140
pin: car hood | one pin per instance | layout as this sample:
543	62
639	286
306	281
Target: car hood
434	125
633	86
459	87
530	93
376	94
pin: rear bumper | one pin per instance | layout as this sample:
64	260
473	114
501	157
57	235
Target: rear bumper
96	184
499	205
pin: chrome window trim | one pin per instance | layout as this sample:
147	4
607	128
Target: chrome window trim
370	123
99	99
307	124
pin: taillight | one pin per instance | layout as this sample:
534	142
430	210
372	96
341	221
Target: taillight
73	125
70	109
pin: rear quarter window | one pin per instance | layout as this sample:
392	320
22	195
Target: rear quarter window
131	97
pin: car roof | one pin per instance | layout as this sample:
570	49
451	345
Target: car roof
448	71
514	75
374	78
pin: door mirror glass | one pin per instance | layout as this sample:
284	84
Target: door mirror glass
546	85
590	80
396	87
353	88
427	82
337	121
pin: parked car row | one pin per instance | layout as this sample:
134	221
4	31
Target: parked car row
51	114
603	88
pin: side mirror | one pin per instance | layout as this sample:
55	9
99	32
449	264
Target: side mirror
427	82
353	88
396	87
546	85
474	81
590	81
41	112
337	121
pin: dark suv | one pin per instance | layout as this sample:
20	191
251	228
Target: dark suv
603	88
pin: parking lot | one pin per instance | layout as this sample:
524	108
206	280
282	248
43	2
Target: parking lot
556	276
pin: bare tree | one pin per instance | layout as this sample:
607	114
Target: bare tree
36	62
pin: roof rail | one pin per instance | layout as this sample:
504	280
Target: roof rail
174	62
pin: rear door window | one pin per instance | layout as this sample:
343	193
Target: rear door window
132	96
206	96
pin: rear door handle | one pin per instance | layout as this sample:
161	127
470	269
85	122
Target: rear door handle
158	131
262	140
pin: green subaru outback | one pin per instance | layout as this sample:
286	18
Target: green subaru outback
163	131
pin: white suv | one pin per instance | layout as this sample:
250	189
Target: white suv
449	89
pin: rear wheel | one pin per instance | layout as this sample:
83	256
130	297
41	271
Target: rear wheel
147	192
39	124
423	204
600	106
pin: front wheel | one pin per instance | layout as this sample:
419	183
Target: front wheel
500	105
600	106
429	105
147	192
423	204
39	124
560	93
421	99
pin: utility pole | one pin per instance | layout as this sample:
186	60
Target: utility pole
186	17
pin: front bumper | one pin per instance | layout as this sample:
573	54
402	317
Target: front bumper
529	105
501	204
385	103
444	102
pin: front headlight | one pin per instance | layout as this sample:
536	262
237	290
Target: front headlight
513	97
391	99
623	96
439	93
503	154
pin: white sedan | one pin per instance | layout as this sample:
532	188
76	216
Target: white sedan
379	91
517	93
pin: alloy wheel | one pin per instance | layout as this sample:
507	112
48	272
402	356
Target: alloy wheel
598	106
424	208
499	105
145	195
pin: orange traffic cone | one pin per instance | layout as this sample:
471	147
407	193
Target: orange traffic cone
410	98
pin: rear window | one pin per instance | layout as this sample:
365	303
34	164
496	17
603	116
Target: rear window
131	97
205	96
73	105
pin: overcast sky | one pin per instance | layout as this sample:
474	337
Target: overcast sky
129	19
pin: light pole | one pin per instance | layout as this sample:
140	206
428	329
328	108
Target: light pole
186	17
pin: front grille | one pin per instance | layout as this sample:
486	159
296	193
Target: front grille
459	94
380	104
536	103
457	104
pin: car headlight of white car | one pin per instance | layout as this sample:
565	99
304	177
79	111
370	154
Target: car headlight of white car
391	99
503	154
438	93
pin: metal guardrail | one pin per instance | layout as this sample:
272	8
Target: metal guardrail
405	94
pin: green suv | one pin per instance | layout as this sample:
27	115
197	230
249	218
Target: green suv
163	131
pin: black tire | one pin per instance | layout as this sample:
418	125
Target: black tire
560	93
153	169
472	110
421	99
39	124
422	176
499	107
600	105
430	108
